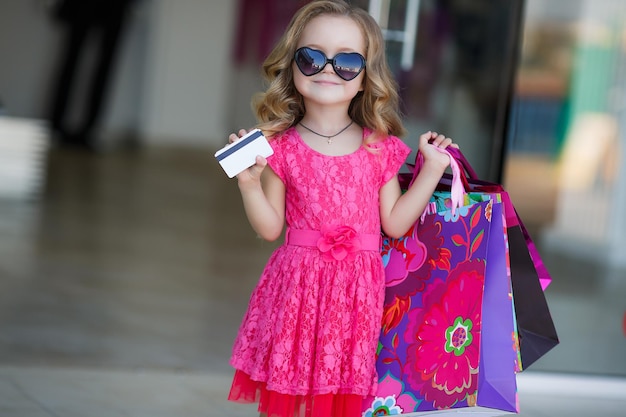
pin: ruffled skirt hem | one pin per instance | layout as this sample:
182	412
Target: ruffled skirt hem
275	404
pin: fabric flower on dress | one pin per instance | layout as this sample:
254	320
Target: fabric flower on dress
337	242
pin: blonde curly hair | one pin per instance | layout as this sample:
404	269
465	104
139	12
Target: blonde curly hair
376	107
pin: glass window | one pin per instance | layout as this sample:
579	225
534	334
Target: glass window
564	174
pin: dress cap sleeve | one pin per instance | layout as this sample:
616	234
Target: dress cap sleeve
395	154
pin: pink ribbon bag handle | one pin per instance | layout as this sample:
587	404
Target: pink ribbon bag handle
457	188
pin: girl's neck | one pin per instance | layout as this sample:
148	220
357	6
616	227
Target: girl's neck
326	120
326	127
330	131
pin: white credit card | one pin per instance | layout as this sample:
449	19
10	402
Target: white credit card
242	153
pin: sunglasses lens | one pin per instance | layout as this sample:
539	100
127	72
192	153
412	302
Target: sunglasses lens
348	65
310	61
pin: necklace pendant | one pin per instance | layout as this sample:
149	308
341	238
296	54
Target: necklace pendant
330	141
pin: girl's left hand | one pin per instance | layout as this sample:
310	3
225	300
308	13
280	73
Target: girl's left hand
427	144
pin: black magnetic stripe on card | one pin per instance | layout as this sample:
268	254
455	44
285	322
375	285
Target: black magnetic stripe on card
239	145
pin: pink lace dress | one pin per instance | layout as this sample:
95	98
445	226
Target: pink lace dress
307	343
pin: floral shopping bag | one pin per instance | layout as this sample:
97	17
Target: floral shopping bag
455	295
448	339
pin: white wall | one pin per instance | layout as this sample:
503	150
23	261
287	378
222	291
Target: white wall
122	116
187	72
28	46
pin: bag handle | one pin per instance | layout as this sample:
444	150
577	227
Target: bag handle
468	173
462	160
457	188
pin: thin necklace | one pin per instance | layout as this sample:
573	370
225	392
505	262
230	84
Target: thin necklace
329	139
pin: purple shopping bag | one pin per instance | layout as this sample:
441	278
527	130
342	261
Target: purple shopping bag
499	355
529	276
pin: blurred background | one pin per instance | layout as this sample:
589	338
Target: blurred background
124	247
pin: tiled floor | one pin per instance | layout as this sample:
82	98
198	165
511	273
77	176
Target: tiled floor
68	392
122	289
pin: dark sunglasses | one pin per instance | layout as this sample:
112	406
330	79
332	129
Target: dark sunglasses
347	65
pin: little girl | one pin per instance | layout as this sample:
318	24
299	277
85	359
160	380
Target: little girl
308	341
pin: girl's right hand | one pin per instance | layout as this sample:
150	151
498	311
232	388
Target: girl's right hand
234	136
252	175
263	201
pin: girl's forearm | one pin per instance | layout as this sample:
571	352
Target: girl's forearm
263	218
410	205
